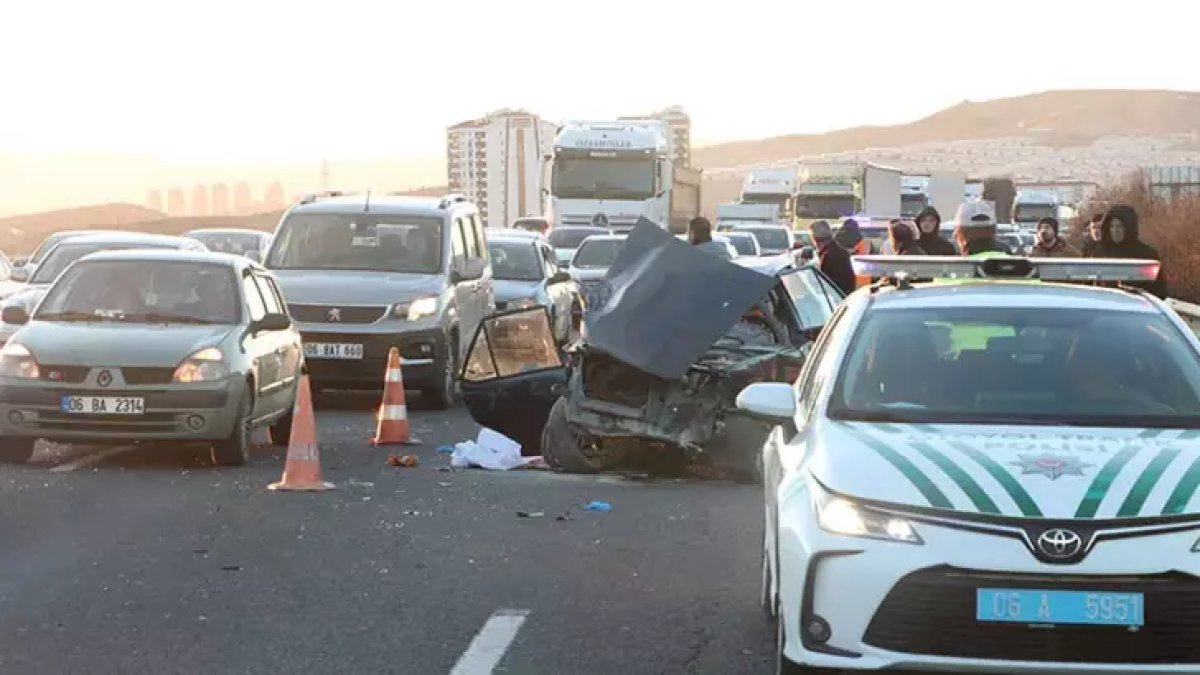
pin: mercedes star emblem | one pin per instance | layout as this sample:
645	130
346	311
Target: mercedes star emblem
1051	466
600	220
1059	543
104	378
334	314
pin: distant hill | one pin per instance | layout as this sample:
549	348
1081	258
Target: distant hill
1056	118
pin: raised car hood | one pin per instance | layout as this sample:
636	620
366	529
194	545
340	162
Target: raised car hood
507	290
332	287
116	344
1051	472
669	302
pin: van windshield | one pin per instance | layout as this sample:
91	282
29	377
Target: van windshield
358	241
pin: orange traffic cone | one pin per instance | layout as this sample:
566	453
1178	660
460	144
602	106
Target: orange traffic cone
393	411
302	472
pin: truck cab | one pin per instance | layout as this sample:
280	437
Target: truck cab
1030	206
771	187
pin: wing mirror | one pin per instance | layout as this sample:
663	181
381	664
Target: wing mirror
774	401
15	315
560	277
19	274
273	322
470	270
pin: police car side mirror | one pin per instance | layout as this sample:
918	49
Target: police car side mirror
773	401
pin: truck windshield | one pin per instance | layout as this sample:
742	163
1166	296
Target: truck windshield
834	206
356	241
595	178
911	205
780	200
1031	213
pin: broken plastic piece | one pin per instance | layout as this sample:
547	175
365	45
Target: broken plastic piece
598	506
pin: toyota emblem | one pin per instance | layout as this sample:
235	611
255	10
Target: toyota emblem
1059	543
334	314
104	378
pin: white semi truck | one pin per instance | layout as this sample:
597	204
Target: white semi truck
914	195
1030	206
741	212
775	186
610	173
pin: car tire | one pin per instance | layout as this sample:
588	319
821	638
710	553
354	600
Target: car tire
766	596
280	432
235	450
442	396
16	450
567	449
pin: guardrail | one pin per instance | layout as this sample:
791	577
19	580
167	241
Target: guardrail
1188	312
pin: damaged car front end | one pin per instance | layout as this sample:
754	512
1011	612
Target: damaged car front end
660	364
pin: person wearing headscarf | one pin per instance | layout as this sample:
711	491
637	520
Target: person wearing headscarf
1120	237
903	238
929	225
1049	243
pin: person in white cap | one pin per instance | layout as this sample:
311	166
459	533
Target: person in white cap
975	231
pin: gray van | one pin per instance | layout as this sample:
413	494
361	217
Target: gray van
364	273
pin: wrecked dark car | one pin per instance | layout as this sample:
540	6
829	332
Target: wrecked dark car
658	366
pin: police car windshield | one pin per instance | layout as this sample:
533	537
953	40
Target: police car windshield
376	243
1019	366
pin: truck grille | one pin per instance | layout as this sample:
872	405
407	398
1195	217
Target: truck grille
932	612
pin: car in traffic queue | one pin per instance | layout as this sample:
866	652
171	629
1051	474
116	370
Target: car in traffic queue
235	240
69	249
532	224
590	263
527	275
23	268
7	285
151	345
365	273
772	239
566	239
745	243
995	471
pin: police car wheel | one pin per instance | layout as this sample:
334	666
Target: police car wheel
16	450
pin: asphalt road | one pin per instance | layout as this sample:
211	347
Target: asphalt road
151	560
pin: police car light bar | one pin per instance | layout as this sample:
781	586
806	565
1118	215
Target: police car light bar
1007	267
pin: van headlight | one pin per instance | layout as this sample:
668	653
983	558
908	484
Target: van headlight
842	516
415	310
18	362
206	365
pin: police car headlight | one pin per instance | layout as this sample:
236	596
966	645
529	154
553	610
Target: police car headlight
841	516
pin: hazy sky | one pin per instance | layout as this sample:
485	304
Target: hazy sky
259	80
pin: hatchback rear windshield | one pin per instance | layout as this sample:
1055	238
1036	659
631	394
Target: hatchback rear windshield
357	241
64	254
1019	366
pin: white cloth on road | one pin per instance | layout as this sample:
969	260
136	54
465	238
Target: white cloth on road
490	450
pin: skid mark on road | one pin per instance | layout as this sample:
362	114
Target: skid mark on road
491	642
88	460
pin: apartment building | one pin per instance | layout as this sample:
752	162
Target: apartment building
496	162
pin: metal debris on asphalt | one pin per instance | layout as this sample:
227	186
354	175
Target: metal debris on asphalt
528	514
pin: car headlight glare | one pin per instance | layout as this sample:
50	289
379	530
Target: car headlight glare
415	310
17	361
840	516
206	365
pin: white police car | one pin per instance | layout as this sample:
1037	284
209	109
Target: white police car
988	475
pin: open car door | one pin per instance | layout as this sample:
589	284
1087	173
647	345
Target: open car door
513	374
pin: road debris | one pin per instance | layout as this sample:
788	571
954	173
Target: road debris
598	506
404	461
534	514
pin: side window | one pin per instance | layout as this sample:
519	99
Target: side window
279	299
458	248
548	260
807	382
269	297
471	246
480	237
254	301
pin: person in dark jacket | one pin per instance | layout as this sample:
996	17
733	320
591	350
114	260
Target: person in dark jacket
834	260
1049	244
903	239
1091	236
1120	238
929	225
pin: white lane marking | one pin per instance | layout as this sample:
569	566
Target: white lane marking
88	460
491	642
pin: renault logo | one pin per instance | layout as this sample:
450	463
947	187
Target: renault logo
334	314
104	378
1059	543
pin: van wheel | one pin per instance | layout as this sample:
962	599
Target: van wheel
441	397
16	450
235	450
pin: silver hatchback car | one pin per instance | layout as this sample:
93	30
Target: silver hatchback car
151	345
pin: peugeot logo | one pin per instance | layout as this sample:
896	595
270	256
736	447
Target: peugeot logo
334	314
104	378
600	220
1059	543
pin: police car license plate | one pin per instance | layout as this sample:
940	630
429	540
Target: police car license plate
1009	605
327	350
103	405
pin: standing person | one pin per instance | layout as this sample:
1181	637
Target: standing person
1119	238
903	239
1091	235
700	236
834	260
929	225
850	238
1049	244
975	231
